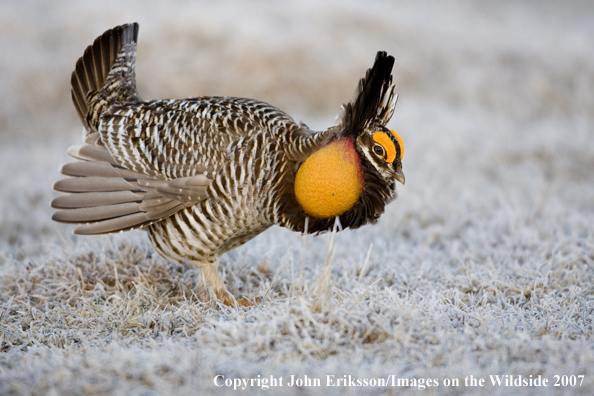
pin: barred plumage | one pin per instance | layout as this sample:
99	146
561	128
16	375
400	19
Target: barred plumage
206	174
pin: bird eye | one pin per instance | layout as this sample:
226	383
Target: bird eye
386	145
379	150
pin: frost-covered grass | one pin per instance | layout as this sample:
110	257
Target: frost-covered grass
483	266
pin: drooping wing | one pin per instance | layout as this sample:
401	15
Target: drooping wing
104	197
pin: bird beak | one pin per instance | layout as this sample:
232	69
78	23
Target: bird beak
400	177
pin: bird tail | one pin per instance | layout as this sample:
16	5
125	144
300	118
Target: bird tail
105	74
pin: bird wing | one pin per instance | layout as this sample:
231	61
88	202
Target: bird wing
161	139
105	197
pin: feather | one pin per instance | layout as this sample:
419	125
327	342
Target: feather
149	183
91	199
186	189
164	210
90	152
117	224
93	184
82	215
150	201
89	168
92	69
369	97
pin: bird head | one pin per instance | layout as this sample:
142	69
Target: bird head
353	176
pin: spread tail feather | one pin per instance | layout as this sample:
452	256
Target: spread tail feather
108	65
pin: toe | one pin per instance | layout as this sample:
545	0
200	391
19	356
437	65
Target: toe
229	300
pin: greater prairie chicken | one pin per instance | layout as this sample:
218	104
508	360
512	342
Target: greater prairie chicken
204	175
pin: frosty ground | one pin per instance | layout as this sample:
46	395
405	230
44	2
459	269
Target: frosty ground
483	266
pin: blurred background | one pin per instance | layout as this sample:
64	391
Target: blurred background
496	98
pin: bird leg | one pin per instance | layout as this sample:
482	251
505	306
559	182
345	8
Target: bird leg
215	288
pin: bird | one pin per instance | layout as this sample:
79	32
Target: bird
206	174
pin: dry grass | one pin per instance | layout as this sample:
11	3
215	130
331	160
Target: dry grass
483	266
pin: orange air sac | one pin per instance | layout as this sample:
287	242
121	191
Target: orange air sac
330	181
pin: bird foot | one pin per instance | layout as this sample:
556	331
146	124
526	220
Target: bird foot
230	301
